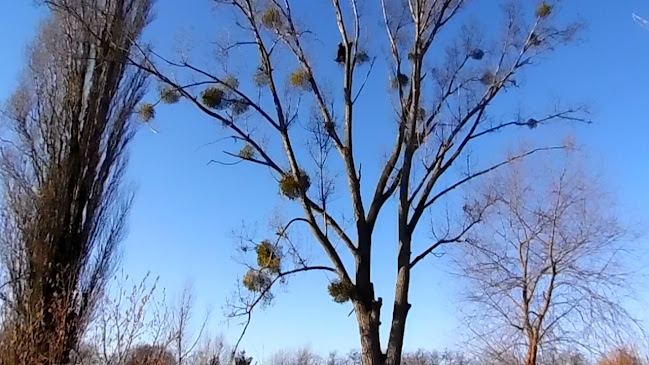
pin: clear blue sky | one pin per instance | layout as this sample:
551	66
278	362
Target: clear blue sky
185	210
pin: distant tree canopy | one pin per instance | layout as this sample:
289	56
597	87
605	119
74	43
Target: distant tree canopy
622	356
461	356
242	359
151	355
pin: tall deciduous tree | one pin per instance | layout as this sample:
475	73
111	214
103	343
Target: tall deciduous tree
442	79
62	159
546	262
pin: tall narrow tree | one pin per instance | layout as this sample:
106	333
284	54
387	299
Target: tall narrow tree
62	161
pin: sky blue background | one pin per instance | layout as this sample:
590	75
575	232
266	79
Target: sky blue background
185	210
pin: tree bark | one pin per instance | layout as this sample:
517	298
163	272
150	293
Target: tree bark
532	352
368	309
368	318
401	305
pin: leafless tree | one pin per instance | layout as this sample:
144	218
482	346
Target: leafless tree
62	159
301	356
353	357
546	262
183	343
442	91
424	357
212	351
151	355
125	318
571	356
622	356
135	316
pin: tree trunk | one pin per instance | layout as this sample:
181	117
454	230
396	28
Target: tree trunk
532	352
368	310
398	328
401	305
368	317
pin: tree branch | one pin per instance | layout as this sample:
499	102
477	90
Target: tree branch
487	170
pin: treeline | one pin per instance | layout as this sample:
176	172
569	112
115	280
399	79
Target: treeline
304	356
216	353
134	325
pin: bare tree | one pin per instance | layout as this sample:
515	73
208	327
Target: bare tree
571	356
62	159
134	317
424	357
546	262
242	359
151	355
623	355
212	351
442	92
184	344
301	356
125	318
